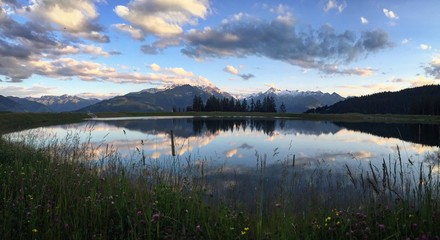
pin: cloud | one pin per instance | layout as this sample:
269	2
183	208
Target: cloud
179	72
425	46
390	14
155	67
397	80
159	45
232	70
75	18
162	18
423	81
364	21
433	68
231	153
68	68
245	146
33	91
405	41
358	90
24	44
334	69
279	40
135	33
333	4
247	76
101	96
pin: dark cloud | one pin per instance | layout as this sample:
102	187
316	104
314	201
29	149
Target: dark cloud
247	76
149	49
433	70
14	69
245	146
113	53
280	40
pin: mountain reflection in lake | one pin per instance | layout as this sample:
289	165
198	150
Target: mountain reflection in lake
232	150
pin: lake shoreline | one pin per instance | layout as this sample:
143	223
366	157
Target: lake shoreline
10	122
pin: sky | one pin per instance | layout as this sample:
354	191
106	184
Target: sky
105	48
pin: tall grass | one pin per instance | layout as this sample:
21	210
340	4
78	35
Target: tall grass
69	188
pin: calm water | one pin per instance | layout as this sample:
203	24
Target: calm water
235	144
236	141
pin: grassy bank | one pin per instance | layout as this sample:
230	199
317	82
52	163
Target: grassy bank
10	122
57	191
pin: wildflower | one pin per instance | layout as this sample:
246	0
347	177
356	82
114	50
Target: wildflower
246	228
381	226
155	218
243	232
328	219
198	228
34	230
139	213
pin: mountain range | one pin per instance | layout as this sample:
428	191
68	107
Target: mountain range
297	101
174	98
156	100
64	103
423	100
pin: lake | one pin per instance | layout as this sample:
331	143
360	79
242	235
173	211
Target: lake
279	155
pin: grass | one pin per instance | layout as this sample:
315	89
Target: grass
55	190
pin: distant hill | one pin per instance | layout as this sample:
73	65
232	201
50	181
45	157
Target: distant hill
30	106
420	100
156	100
64	103
297	101
8	105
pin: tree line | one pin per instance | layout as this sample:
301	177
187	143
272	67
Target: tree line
214	104
423	100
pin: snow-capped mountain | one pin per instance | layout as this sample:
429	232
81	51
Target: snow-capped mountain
64	103
176	97
297	101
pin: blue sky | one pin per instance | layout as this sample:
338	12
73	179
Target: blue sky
103	48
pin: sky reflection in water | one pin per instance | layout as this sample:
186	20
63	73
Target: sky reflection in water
236	141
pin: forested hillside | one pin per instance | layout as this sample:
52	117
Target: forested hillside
420	100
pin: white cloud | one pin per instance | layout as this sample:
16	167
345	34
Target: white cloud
364	21
231	153
33	91
67	68
390	14
94	50
425	46
422	81
135	33
76	18
405	41
155	67
163	18
179	71
333	4
231	69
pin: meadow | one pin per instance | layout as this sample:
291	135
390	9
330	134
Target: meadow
66	189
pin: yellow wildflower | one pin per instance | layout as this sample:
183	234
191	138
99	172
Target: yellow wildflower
243	232
34	230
